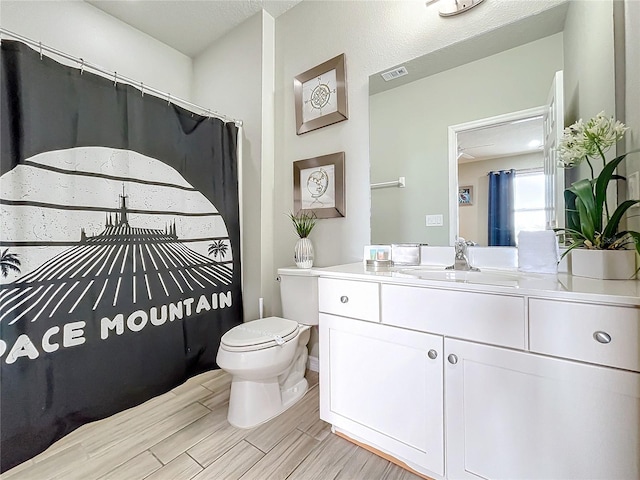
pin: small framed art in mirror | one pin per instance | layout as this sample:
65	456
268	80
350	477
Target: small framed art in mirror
465	195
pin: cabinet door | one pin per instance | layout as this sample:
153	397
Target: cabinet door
515	415
380	384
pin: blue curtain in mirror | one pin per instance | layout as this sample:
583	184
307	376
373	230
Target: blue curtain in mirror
501	216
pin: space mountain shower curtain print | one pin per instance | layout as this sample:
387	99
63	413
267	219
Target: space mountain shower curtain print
119	243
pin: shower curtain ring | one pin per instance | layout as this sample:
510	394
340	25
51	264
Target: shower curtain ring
142	88
115	79
40	44
168	99
81	66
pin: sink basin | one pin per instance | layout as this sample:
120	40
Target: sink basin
485	277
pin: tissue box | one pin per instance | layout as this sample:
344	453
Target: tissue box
405	253
538	251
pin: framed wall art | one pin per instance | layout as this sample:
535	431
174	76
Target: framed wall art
465	195
318	185
321	95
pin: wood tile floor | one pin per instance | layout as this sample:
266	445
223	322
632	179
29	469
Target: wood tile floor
184	434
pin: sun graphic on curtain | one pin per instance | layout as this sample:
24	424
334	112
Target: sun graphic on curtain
95	229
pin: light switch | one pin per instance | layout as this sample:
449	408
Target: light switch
434	220
633	187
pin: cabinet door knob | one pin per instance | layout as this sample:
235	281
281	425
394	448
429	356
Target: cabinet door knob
602	337
344	299
432	354
453	359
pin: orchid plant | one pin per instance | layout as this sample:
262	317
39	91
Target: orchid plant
590	224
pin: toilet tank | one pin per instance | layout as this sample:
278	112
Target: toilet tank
299	294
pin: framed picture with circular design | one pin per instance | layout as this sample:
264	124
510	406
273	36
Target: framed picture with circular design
318	186
321	95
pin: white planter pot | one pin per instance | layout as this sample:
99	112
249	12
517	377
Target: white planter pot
603	264
303	253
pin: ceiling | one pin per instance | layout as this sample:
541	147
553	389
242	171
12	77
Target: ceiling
507	139
189	26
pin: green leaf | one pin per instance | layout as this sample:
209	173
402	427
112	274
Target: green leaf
590	215
303	222
570	231
587	226
636	238
612	226
575	245
606	175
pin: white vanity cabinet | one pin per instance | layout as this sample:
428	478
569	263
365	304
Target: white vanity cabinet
384	385
521	385
516	415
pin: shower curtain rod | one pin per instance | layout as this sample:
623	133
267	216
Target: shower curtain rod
115	76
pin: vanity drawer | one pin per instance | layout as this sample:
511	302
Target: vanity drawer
348	298
494	319
569	330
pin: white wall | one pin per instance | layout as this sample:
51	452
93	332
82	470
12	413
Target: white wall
372	35
236	75
82	30
632	137
409	133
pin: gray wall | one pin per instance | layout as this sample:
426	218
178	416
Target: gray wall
589	83
632	99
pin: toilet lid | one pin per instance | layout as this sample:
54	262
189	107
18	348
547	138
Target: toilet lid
261	333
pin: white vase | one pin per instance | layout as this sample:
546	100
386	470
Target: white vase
603	264
303	253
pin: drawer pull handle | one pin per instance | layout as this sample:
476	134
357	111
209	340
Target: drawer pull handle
432	354
344	299
453	359
602	337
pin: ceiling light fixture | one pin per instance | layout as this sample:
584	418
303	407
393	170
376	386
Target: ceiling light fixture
455	7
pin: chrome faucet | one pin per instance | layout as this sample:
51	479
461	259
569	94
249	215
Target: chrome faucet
461	261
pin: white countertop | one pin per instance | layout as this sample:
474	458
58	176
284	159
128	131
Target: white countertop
561	286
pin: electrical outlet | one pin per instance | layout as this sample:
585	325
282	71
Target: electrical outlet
434	220
633	187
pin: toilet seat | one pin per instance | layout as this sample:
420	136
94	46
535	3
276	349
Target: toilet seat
259	334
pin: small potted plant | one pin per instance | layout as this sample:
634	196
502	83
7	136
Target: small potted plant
592	228
303	223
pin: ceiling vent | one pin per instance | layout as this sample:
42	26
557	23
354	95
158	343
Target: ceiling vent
395	73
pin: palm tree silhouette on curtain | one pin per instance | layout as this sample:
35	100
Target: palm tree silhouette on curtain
218	248
9	262
501	215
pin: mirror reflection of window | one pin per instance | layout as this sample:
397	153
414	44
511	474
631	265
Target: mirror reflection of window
529	204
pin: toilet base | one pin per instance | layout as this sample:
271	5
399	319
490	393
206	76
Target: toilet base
252	403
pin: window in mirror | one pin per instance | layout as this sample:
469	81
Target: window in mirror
529	201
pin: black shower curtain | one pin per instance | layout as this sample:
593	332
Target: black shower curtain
119	244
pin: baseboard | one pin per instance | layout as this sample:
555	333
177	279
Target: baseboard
313	364
382	454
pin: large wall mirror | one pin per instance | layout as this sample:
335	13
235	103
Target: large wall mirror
496	75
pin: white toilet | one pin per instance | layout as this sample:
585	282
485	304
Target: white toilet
267	358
